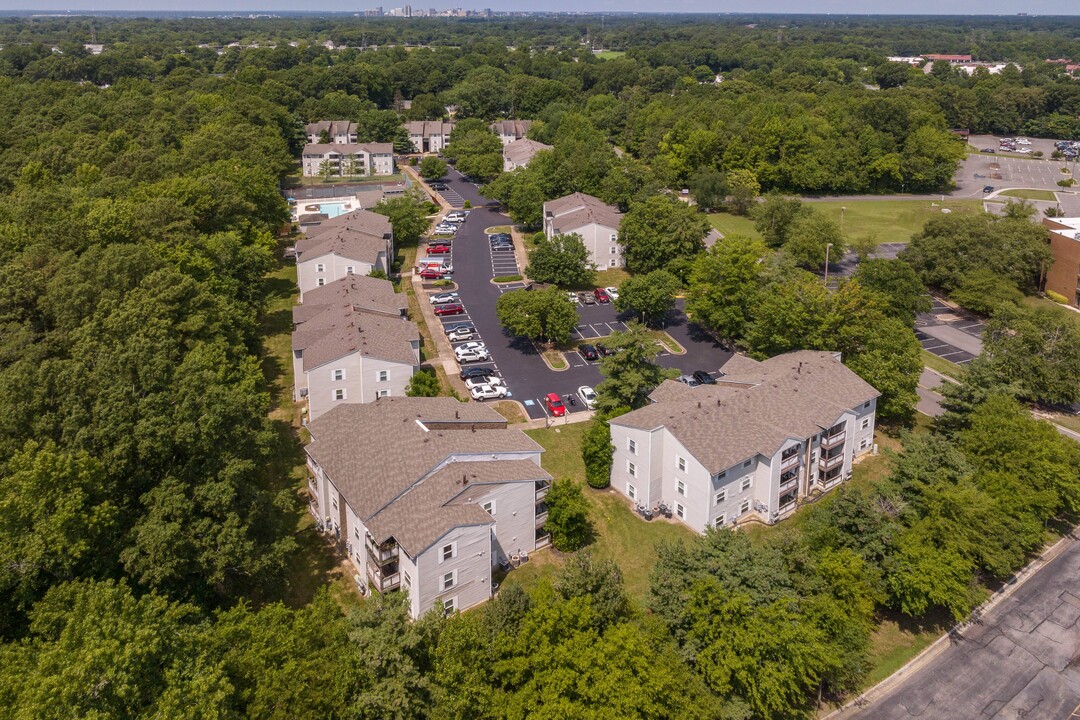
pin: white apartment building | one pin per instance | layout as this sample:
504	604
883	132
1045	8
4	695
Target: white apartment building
426	496
511	130
352	159
340	132
520	152
596	222
354	243
764	437
429	136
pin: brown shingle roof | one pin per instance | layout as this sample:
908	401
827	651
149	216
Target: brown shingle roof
361	292
340	331
516	128
521	151
427	128
348	148
798	395
332	127
441	502
577	210
374	452
365	221
344	242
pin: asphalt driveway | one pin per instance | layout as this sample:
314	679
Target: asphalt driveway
527	376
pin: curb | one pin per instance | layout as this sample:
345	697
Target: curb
867	699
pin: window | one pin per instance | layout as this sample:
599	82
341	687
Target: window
745	507
613	250
449	605
747	482
384	375
632	492
356	533
865	423
631	468
614	237
320	268
866	405
720	497
333	501
407	580
489	507
382	393
680	510
449	552
722	475
339	394
613	262
349	269
449	580
719	521
339	374
320	282
680	463
631	446
864	443
681	488
748	462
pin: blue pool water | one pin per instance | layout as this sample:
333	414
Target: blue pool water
332	209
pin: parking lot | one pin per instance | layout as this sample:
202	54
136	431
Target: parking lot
516	360
950	333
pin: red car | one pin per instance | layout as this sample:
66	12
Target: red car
450	309
555	405
430	274
601	295
438	249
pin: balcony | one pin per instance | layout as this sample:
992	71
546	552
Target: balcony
786	463
788	482
384	579
387	552
828	463
542	487
831	441
541	514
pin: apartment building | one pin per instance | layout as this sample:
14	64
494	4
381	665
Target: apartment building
596	222
1063	276
354	243
346	160
511	130
429	136
766	436
339	132
426	496
520	152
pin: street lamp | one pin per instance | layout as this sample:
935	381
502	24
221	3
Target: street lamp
842	209
828	247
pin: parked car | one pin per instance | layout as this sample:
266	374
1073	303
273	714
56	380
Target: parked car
988	189
501	243
601	295
988	150
462	334
555	405
446	229
502	248
438	249
688	380
450	309
1022	141
437	186
588	352
604	350
476	372
704	378
459	326
613	292
443	298
492	380
481	393
587	395
480	355
431	274
586	299
455	217
572	297
500	236
469	346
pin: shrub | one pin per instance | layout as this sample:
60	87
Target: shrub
596	451
984	291
467	205
507	278
1057	297
568	515
423	384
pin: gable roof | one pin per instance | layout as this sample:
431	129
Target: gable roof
574	211
441	501
332	127
348	148
427	128
521	151
346	243
512	128
359	292
795	395
364	221
374	452
340	331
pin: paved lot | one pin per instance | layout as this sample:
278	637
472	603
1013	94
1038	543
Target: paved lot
929	397
526	375
847	266
1020	660
950	333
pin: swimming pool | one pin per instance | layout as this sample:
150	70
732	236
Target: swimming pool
333	209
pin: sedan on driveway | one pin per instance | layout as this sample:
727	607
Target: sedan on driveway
588	396
555	405
480	393
443	298
477	372
450	309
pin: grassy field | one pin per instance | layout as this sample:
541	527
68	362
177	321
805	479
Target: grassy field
897	639
890	221
943	366
1046	195
610	54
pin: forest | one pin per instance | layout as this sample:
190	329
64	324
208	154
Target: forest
148	522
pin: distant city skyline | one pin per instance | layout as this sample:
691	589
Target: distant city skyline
822	7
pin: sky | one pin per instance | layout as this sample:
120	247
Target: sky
862	7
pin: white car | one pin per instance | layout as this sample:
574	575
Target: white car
587	395
461	334
455	217
492	380
480	355
443	298
480	393
613	292
445	229
1024	151
1023	141
572	297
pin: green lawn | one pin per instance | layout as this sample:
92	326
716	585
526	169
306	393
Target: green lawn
729	224
943	366
1046	195
610	54
621	535
897	639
